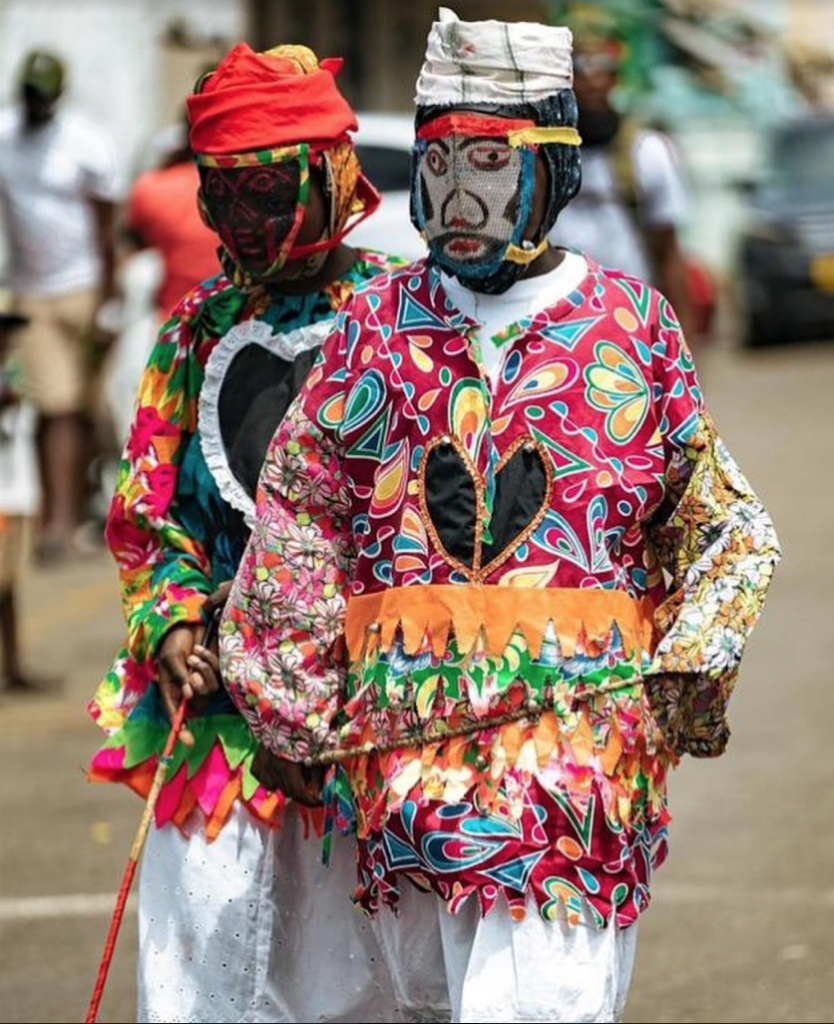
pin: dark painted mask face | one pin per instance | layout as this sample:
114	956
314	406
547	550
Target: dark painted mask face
256	211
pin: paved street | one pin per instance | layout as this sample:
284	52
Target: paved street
742	928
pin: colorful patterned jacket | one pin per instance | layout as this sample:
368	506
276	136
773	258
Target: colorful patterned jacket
175	539
500	602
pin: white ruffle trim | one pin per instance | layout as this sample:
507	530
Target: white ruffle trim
289	346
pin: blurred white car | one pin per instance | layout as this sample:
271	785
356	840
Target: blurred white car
383	144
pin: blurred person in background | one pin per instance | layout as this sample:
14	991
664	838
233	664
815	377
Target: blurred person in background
19	501
170	250
503	568
162	213
58	187
236	913
634	199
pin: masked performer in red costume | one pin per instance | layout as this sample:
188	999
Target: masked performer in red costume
503	567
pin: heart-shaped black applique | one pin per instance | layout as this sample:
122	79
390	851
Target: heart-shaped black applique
452	494
256	393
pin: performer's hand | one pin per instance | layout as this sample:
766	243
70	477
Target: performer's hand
294	780
204	671
215	603
174	675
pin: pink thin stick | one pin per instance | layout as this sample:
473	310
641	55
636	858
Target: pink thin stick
133	861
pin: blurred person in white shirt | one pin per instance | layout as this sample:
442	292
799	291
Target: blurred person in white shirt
633	201
58	187
19	500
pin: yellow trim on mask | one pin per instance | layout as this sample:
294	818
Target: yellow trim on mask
515	254
533	136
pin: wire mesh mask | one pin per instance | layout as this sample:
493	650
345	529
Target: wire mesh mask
473	197
259	224
483	169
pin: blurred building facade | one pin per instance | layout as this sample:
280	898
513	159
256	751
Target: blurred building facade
131	62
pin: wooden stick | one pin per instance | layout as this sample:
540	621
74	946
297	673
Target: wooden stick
133	861
342	754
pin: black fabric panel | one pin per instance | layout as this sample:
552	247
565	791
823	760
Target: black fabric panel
451	502
520	490
257	391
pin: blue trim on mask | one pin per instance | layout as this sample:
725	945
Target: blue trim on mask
418	214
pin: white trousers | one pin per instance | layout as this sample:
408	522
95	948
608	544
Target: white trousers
252	929
512	972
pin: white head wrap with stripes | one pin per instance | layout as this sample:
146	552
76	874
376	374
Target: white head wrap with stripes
493	62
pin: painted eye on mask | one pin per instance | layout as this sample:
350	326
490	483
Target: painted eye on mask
264	183
436	162
216	187
489	156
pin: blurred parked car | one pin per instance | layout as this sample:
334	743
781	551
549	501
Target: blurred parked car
786	260
383	144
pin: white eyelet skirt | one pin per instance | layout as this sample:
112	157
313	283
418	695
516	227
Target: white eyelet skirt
252	929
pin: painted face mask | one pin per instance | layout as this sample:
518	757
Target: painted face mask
472	191
257	203
257	208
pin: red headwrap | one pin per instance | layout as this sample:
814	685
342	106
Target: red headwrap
259	101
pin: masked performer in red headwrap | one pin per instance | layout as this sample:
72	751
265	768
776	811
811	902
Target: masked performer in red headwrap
237	917
540	558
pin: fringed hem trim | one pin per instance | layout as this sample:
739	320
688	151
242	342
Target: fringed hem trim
183	797
484	618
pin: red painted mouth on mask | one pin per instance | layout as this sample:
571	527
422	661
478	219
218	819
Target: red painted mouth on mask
257	249
245	242
466	248
251	251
